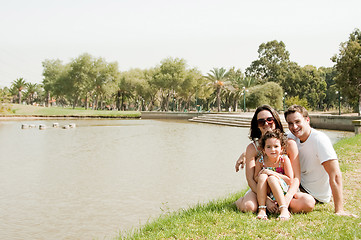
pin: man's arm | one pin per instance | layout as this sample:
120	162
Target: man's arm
333	170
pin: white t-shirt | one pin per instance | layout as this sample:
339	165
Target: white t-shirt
312	153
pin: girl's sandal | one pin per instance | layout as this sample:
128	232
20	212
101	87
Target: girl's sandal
283	217
262	216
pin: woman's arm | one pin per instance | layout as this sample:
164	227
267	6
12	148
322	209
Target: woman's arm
240	162
251	153
257	169
287	166
292	152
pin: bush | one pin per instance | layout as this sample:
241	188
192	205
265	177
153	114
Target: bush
296	100
270	93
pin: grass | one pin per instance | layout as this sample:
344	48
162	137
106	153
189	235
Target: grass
28	110
219	219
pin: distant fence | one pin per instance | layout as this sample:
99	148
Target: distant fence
170	115
333	122
321	121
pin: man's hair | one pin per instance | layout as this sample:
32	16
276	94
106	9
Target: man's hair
296	108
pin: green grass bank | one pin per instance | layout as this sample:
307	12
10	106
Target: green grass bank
219	219
19	110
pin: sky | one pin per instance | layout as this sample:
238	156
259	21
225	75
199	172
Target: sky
141	33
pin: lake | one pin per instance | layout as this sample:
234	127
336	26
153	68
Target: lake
107	176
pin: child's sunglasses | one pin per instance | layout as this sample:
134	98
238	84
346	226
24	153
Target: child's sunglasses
261	122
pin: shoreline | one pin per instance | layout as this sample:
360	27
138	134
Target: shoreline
238	119
36	117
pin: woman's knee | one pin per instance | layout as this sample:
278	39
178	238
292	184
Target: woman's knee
249	206
247	203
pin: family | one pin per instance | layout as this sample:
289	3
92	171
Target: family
288	173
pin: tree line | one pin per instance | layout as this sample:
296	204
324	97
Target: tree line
273	79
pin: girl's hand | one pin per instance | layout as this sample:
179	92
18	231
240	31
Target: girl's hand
263	171
267	171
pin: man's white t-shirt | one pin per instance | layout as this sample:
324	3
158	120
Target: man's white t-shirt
316	150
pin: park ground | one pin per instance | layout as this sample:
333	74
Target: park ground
219	219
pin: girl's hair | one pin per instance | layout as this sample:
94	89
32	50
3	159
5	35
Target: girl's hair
254	131
275	134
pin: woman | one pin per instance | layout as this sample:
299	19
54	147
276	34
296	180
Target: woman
264	119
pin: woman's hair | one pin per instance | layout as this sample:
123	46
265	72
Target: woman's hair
254	131
275	134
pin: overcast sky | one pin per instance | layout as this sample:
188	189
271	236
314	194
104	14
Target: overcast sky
140	33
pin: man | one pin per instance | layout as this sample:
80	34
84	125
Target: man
320	171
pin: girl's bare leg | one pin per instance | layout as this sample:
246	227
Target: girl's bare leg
262	188
277	191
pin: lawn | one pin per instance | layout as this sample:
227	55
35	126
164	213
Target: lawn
219	219
37	111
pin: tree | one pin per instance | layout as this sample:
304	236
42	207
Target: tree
80	78
19	85
124	90
168	77
190	88
348	67
147	90
331	99
272	63
102	81
5	96
312	86
217	78
52	71
293	81
133	87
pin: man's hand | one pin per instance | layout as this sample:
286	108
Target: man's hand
272	207
241	162
344	213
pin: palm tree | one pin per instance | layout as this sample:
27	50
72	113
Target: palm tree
218	77
31	91
19	84
236	93
239	83
249	81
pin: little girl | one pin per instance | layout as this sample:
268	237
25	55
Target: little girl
273	174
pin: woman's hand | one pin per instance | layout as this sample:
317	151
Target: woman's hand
240	162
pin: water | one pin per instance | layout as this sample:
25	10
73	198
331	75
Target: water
106	176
